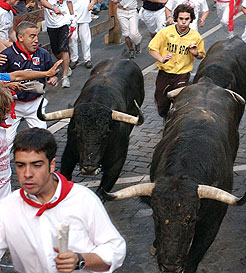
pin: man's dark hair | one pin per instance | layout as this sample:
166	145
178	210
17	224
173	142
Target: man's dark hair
184	8
23	26
37	140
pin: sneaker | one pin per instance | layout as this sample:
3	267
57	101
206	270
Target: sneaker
69	72
73	64
88	64
65	82
138	49
132	54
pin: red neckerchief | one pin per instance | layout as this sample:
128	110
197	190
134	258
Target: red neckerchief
66	186
6	6
232	13
27	54
4	125
12	106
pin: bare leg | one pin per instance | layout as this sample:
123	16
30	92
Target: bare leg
129	43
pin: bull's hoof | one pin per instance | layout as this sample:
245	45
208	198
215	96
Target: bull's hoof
100	192
152	250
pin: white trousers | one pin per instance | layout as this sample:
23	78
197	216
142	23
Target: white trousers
223	15
154	20
128	20
28	111
83	32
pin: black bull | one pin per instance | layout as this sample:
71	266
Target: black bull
192	166
94	139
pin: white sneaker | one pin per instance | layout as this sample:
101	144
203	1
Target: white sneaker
65	82
69	72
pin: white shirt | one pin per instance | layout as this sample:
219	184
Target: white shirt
53	20
132	4
200	6
5	170
6	23
83	15
31	238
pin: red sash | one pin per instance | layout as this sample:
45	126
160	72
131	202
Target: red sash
233	12
6	6
66	186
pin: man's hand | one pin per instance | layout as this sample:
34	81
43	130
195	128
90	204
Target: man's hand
53	81
169	20
16	86
3	59
91	5
193	49
202	22
57	11
54	69
66	261
167	58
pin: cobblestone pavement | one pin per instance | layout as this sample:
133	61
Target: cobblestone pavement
133	219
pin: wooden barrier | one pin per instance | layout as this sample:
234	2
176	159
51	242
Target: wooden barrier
111	24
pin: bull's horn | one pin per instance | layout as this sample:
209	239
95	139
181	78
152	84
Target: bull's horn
174	92
236	96
132	191
67	113
119	116
210	192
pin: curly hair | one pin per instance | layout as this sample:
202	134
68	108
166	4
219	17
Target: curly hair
184	8
5	99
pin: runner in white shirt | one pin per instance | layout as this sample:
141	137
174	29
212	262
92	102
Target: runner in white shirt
82	11
200	7
58	17
45	200
226	9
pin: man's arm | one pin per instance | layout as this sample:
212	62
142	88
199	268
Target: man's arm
30	75
157	56
159	1
203	18
67	262
54	8
169	16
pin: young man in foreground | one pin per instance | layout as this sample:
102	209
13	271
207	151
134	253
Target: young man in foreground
45	200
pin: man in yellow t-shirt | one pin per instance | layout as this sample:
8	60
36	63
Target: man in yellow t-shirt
174	49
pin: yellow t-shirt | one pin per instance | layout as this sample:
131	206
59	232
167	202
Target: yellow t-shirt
169	40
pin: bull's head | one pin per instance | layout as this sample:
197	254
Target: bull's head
175	208
92	124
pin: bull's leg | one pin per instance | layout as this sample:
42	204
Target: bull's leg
70	156
109	177
205	233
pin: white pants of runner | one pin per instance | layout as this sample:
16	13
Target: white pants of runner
128	20
83	32
154	20
28	111
223	15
